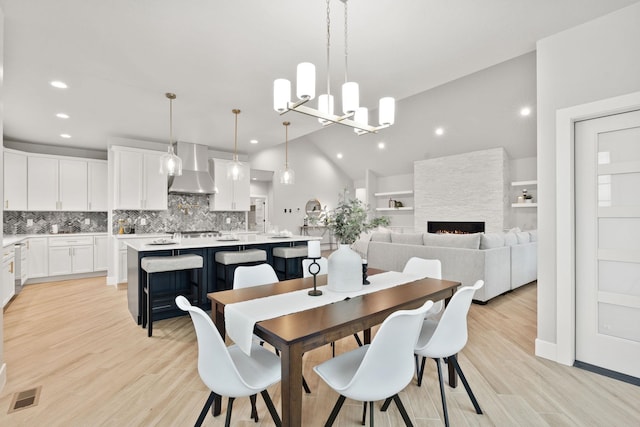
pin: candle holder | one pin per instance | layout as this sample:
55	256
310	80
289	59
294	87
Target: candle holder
364	273
314	269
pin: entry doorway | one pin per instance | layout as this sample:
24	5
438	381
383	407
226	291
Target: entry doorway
257	218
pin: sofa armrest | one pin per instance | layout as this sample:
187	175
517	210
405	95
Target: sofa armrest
524	264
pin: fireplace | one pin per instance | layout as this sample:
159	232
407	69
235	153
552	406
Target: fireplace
455	227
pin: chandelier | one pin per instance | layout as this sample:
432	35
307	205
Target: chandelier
287	175
235	168
353	115
170	164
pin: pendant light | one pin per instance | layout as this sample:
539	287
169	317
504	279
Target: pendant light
352	114
287	175
170	164
235	168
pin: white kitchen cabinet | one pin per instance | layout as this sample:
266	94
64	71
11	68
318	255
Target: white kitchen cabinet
122	263
232	195
70	255
97	186
100	253
15	181
38	257
55	184
138	182
8	289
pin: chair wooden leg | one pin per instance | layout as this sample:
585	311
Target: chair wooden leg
456	365
403	411
271	408
334	412
444	400
227	421
206	407
254	410
305	386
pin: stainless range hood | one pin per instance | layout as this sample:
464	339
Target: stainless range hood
195	178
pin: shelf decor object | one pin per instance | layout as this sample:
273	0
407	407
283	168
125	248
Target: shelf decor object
353	115
235	168
170	163
287	175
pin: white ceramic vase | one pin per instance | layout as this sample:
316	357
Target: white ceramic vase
345	270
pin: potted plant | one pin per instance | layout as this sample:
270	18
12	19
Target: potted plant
347	221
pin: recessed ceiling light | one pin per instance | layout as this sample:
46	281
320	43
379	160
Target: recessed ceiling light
525	111
65	135
254	179
254	141
339	155
62	116
381	145
58	84
439	131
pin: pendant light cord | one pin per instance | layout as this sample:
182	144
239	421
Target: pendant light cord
235	144
328	52
346	44
286	144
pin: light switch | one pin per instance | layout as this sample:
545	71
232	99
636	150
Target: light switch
87	221
29	222
143	221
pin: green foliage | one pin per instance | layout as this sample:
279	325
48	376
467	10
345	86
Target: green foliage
348	220
380	221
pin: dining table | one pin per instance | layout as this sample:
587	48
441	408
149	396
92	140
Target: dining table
298	332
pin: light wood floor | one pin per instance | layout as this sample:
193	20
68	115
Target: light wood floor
96	367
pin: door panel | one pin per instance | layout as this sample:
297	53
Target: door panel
607	165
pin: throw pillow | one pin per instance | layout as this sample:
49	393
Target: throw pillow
533	235
510	239
491	240
523	237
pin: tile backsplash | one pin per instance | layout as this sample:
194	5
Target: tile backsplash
15	222
186	212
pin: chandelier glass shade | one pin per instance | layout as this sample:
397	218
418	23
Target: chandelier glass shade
287	175
170	163
305	91
235	168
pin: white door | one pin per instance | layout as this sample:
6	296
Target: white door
607	167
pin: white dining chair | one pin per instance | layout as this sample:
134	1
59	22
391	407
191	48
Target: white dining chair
426	268
447	337
379	370
254	275
228	371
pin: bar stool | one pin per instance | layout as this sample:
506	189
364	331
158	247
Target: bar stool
287	261
162	264
228	261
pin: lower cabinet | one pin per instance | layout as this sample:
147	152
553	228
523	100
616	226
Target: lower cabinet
100	253
8	287
38	257
70	255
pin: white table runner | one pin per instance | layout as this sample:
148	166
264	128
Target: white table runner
240	318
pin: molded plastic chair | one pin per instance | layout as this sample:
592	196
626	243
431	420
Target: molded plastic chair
446	337
322	262
378	370
228	371
426	268
248	276
256	275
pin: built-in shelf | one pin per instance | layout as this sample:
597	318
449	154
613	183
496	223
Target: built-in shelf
524	183
394	193
404	208
524	205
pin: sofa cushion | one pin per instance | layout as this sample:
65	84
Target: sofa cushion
533	235
381	237
466	241
510	239
523	237
491	240
407	238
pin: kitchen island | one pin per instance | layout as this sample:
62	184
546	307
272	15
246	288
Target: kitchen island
179	282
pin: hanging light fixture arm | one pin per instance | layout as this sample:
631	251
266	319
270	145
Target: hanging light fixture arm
342	120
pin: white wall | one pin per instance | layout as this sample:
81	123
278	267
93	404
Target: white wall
317	177
597	60
3	366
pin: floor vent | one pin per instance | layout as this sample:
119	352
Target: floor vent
25	399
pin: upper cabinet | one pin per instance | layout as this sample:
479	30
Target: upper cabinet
56	184
138	182
15	181
98	176
232	195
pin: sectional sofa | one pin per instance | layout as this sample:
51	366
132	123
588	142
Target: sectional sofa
504	261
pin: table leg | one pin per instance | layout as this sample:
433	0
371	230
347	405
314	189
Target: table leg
291	386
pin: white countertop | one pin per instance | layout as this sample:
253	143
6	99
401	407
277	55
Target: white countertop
242	240
12	239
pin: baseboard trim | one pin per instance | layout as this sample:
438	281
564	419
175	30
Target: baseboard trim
3	376
546	350
65	277
607	373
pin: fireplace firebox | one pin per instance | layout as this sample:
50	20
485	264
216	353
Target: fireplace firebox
455	227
